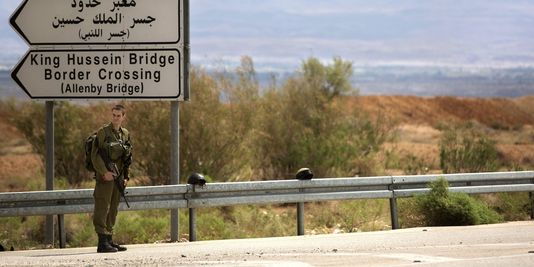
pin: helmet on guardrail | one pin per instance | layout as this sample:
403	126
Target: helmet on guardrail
196	179
304	174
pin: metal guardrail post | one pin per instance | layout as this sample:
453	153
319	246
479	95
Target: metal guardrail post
531	198
61	230
393	207
300	218
192	224
394	216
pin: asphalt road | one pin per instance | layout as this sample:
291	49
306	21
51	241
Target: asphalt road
509	244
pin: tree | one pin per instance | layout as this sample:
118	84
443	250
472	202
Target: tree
301	126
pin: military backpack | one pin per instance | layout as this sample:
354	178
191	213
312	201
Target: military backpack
88	146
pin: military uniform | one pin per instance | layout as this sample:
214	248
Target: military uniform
116	144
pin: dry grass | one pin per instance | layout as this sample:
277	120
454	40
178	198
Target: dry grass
18	164
494	112
519	155
510	122
419	134
525	103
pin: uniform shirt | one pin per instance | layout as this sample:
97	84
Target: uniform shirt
110	141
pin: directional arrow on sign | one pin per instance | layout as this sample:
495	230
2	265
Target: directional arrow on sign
90	22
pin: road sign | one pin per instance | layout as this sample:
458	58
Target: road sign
89	22
101	73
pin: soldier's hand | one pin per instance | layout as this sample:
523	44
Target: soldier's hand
108	176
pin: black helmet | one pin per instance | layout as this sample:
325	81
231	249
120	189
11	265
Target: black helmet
196	179
304	174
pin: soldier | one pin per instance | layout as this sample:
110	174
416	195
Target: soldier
112	144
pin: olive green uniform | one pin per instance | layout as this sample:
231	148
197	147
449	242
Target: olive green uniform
106	194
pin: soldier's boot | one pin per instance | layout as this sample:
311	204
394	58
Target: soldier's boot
103	244
115	245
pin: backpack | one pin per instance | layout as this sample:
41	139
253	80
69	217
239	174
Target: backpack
88	146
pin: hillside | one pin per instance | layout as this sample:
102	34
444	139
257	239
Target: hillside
493	112
508	121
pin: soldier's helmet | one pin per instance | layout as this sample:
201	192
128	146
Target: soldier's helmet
196	179
304	174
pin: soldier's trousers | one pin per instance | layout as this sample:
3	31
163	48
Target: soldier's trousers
107	198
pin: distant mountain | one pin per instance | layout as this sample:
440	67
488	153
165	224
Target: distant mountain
8	88
399	80
279	34
434	81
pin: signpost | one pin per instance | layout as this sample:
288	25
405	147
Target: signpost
104	49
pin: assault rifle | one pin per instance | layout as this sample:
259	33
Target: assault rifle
118	177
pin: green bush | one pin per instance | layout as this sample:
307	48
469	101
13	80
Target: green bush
464	149
216	123
149	126
512	206
21	232
412	165
141	227
442	208
71	127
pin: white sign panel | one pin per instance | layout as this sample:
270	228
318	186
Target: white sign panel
68	22
105	73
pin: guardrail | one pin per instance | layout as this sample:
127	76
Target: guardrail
264	192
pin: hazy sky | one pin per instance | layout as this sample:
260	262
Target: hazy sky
280	34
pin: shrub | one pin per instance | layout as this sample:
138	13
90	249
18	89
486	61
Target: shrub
71	127
345	216
512	206
442	208
301	125
216	125
464	149
412	165
149	126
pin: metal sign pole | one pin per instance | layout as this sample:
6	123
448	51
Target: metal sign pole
175	126
175	164
49	167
